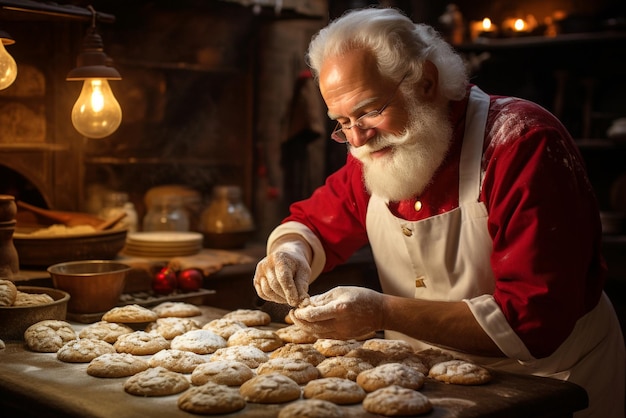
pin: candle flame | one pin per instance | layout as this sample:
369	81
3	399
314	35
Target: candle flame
519	25
486	23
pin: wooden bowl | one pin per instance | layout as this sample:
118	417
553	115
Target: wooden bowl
44	251
14	320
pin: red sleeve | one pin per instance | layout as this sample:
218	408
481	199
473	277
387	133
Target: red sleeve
544	222
335	212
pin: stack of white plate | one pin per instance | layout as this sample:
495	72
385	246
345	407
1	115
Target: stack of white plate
163	244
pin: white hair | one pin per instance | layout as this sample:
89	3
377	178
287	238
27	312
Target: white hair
399	45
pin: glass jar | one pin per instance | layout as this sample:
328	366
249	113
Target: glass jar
226	222
116	203
166	213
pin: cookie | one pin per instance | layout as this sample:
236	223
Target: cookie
157	381
395	400
83	350
105	331
390	374
130	314
270	388
299	371
332	348
224	327
176	360
265	340
345	367
140	343
295	334
311	408
112	365
304	352
393	349
49	335
413	361
176	310
250	317
432	356
171	327
250	356
224	372
373	357
211	399
334	389
200	341
460	372
31	299
8	292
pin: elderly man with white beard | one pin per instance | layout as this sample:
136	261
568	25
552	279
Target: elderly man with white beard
484	228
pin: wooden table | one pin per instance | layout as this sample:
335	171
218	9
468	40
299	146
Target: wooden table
37	384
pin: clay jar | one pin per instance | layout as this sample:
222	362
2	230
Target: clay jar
8	208
9	261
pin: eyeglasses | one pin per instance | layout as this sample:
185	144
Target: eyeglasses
367	121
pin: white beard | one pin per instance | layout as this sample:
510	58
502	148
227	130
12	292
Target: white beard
415	156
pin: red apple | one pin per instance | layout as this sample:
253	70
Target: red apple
190	280
165	281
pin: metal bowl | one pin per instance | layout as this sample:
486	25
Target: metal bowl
44	251
14	320
94	285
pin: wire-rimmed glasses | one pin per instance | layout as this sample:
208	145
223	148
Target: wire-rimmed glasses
367	121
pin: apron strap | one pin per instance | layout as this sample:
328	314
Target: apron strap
471	153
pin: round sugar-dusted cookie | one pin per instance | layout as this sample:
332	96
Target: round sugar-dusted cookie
270	388
200	341
346	367
248	355
49	335
224	327
390	374
31	299
177	360
394	349
156	381
105	331
171	327
130	314
460	372
332	348
112	365
295	334
311	408
432	356
176	310
395	400
211	399
263	339
334	389
224	372
299	371
83	350
140	343
250	317
304	352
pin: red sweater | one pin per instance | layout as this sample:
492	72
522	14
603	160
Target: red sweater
543	218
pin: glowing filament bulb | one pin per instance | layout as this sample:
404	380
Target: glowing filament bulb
486	24
519	25
96	113
8	67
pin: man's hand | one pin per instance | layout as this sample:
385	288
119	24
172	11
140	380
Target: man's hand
283	277
342	313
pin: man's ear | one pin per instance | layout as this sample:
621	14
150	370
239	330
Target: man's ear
427	86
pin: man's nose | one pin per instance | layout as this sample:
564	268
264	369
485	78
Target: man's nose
360	136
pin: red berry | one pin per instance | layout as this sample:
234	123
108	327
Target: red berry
165	281
190	280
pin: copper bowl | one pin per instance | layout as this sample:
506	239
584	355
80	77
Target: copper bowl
14	320
94	285
44	251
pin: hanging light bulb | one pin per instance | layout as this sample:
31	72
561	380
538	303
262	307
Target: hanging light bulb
96	113
8	67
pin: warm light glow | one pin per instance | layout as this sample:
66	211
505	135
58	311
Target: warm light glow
96	113
486	24
519	25
8	68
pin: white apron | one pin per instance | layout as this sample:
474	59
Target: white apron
446	257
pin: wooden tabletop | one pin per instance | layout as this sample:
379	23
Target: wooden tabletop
37	384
